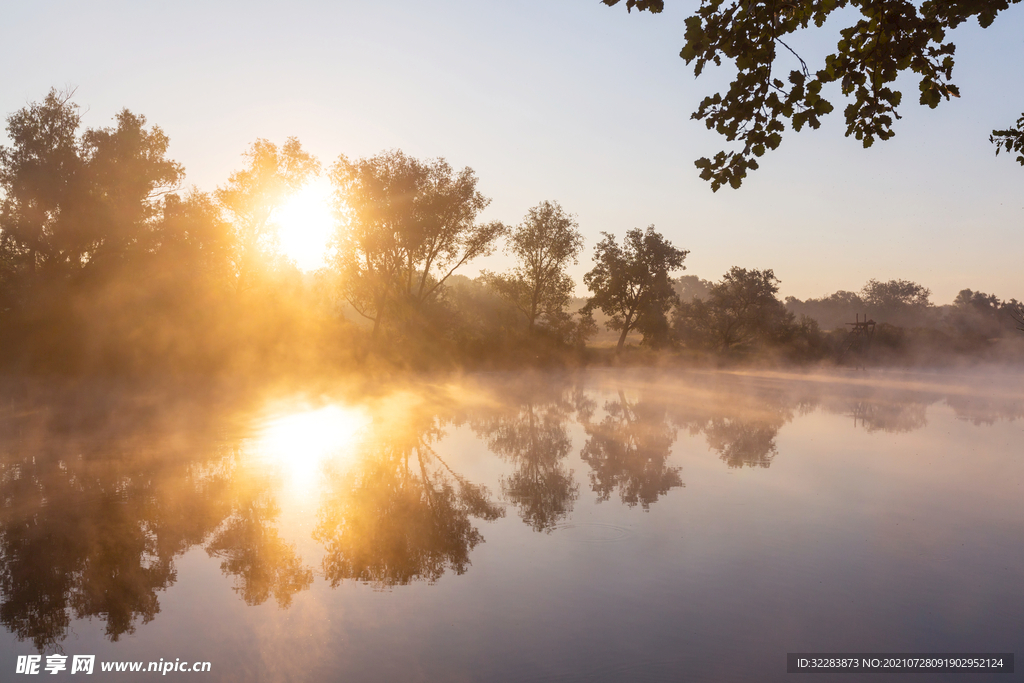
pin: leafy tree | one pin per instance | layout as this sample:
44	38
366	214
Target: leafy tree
405	227
690	287
895	294
979	315
832	311
251	196
891	37
632	284
543	244
78	201
741	310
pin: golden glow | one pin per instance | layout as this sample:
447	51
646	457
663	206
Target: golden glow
300	443
305	225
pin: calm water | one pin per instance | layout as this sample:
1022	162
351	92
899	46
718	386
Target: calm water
642	526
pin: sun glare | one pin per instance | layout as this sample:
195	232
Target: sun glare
305	225
300	443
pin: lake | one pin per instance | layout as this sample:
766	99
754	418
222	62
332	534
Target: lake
607	525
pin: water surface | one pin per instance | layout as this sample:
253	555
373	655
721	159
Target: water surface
609	525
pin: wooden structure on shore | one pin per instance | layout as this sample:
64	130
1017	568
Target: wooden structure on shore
859	337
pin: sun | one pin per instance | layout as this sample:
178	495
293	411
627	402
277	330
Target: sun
305	224
301	442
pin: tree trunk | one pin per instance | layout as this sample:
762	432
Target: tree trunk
622	339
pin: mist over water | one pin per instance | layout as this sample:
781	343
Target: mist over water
647	524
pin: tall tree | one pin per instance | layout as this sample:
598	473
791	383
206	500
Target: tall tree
39	175
741	309
251	197
895	294
71	201
405	226
890	38
544	244
129	173
632	284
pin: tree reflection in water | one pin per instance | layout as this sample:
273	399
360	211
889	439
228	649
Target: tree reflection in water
627	451
101	492
253	552
529	431
98	501
400	514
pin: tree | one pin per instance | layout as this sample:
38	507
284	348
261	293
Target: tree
631	283
251	196
740	310
892	37
73	202
980	316
895	294
405	226
543	244
128	175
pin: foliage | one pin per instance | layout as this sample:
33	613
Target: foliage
891	37
251	196
741	310
832	311
1010	140
405	227
632	284
895	294
977	317
74	202
545	243
690	287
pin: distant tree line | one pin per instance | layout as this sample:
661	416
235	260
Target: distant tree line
108	265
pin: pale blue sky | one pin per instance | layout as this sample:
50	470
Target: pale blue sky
567	100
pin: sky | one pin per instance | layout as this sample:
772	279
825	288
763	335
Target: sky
565	100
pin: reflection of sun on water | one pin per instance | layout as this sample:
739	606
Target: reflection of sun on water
306	224
301	442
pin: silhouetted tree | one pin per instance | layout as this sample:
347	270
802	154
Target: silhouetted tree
895	294
253	194
898	302
405	227
690	287
891	37
832	311
632	284
545	243
78	202
740	310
